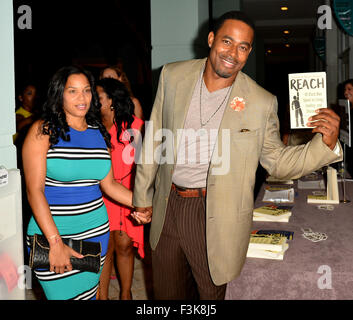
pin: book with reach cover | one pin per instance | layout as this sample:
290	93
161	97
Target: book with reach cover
269	244
307	92
267	254
283	233
273	213
274	180
272	242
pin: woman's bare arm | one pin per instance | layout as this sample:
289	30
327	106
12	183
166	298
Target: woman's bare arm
34	153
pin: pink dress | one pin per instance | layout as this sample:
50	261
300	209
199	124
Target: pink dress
124	173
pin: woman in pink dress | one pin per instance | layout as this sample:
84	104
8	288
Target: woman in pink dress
125	129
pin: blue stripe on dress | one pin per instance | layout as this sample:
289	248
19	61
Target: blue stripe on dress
72	195
83	139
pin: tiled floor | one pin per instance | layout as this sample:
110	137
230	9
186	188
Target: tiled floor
141	286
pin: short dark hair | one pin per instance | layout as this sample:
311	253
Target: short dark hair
349	81
233	15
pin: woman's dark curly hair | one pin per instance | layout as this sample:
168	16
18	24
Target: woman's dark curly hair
53	115
121	102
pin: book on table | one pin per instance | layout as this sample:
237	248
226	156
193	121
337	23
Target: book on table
266	254
271	242
274	180
274	213
267	246
314	180
283	233
278	194
331	195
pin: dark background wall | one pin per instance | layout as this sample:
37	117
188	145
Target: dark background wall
89	33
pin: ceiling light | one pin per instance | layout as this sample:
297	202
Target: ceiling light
287	45
269	51
286	31
284	8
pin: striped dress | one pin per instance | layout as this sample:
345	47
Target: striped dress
74	170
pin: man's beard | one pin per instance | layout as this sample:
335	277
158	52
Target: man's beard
223	74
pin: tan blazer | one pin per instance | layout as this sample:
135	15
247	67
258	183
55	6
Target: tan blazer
230	195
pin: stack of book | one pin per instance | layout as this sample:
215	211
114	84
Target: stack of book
274	213
267	246
274	180
332	195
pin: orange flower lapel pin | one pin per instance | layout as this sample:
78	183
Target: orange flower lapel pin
237	104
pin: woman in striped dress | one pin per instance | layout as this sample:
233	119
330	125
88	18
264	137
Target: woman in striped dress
66	163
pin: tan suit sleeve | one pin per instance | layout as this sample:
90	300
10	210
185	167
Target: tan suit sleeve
147	165
292	162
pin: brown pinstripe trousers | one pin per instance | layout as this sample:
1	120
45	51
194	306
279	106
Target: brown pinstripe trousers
179	262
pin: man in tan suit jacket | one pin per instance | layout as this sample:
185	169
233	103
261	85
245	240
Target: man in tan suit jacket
248	133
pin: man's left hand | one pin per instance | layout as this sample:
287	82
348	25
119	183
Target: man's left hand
327	122
142	215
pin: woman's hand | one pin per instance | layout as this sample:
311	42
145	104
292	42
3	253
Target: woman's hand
59	256
142	215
